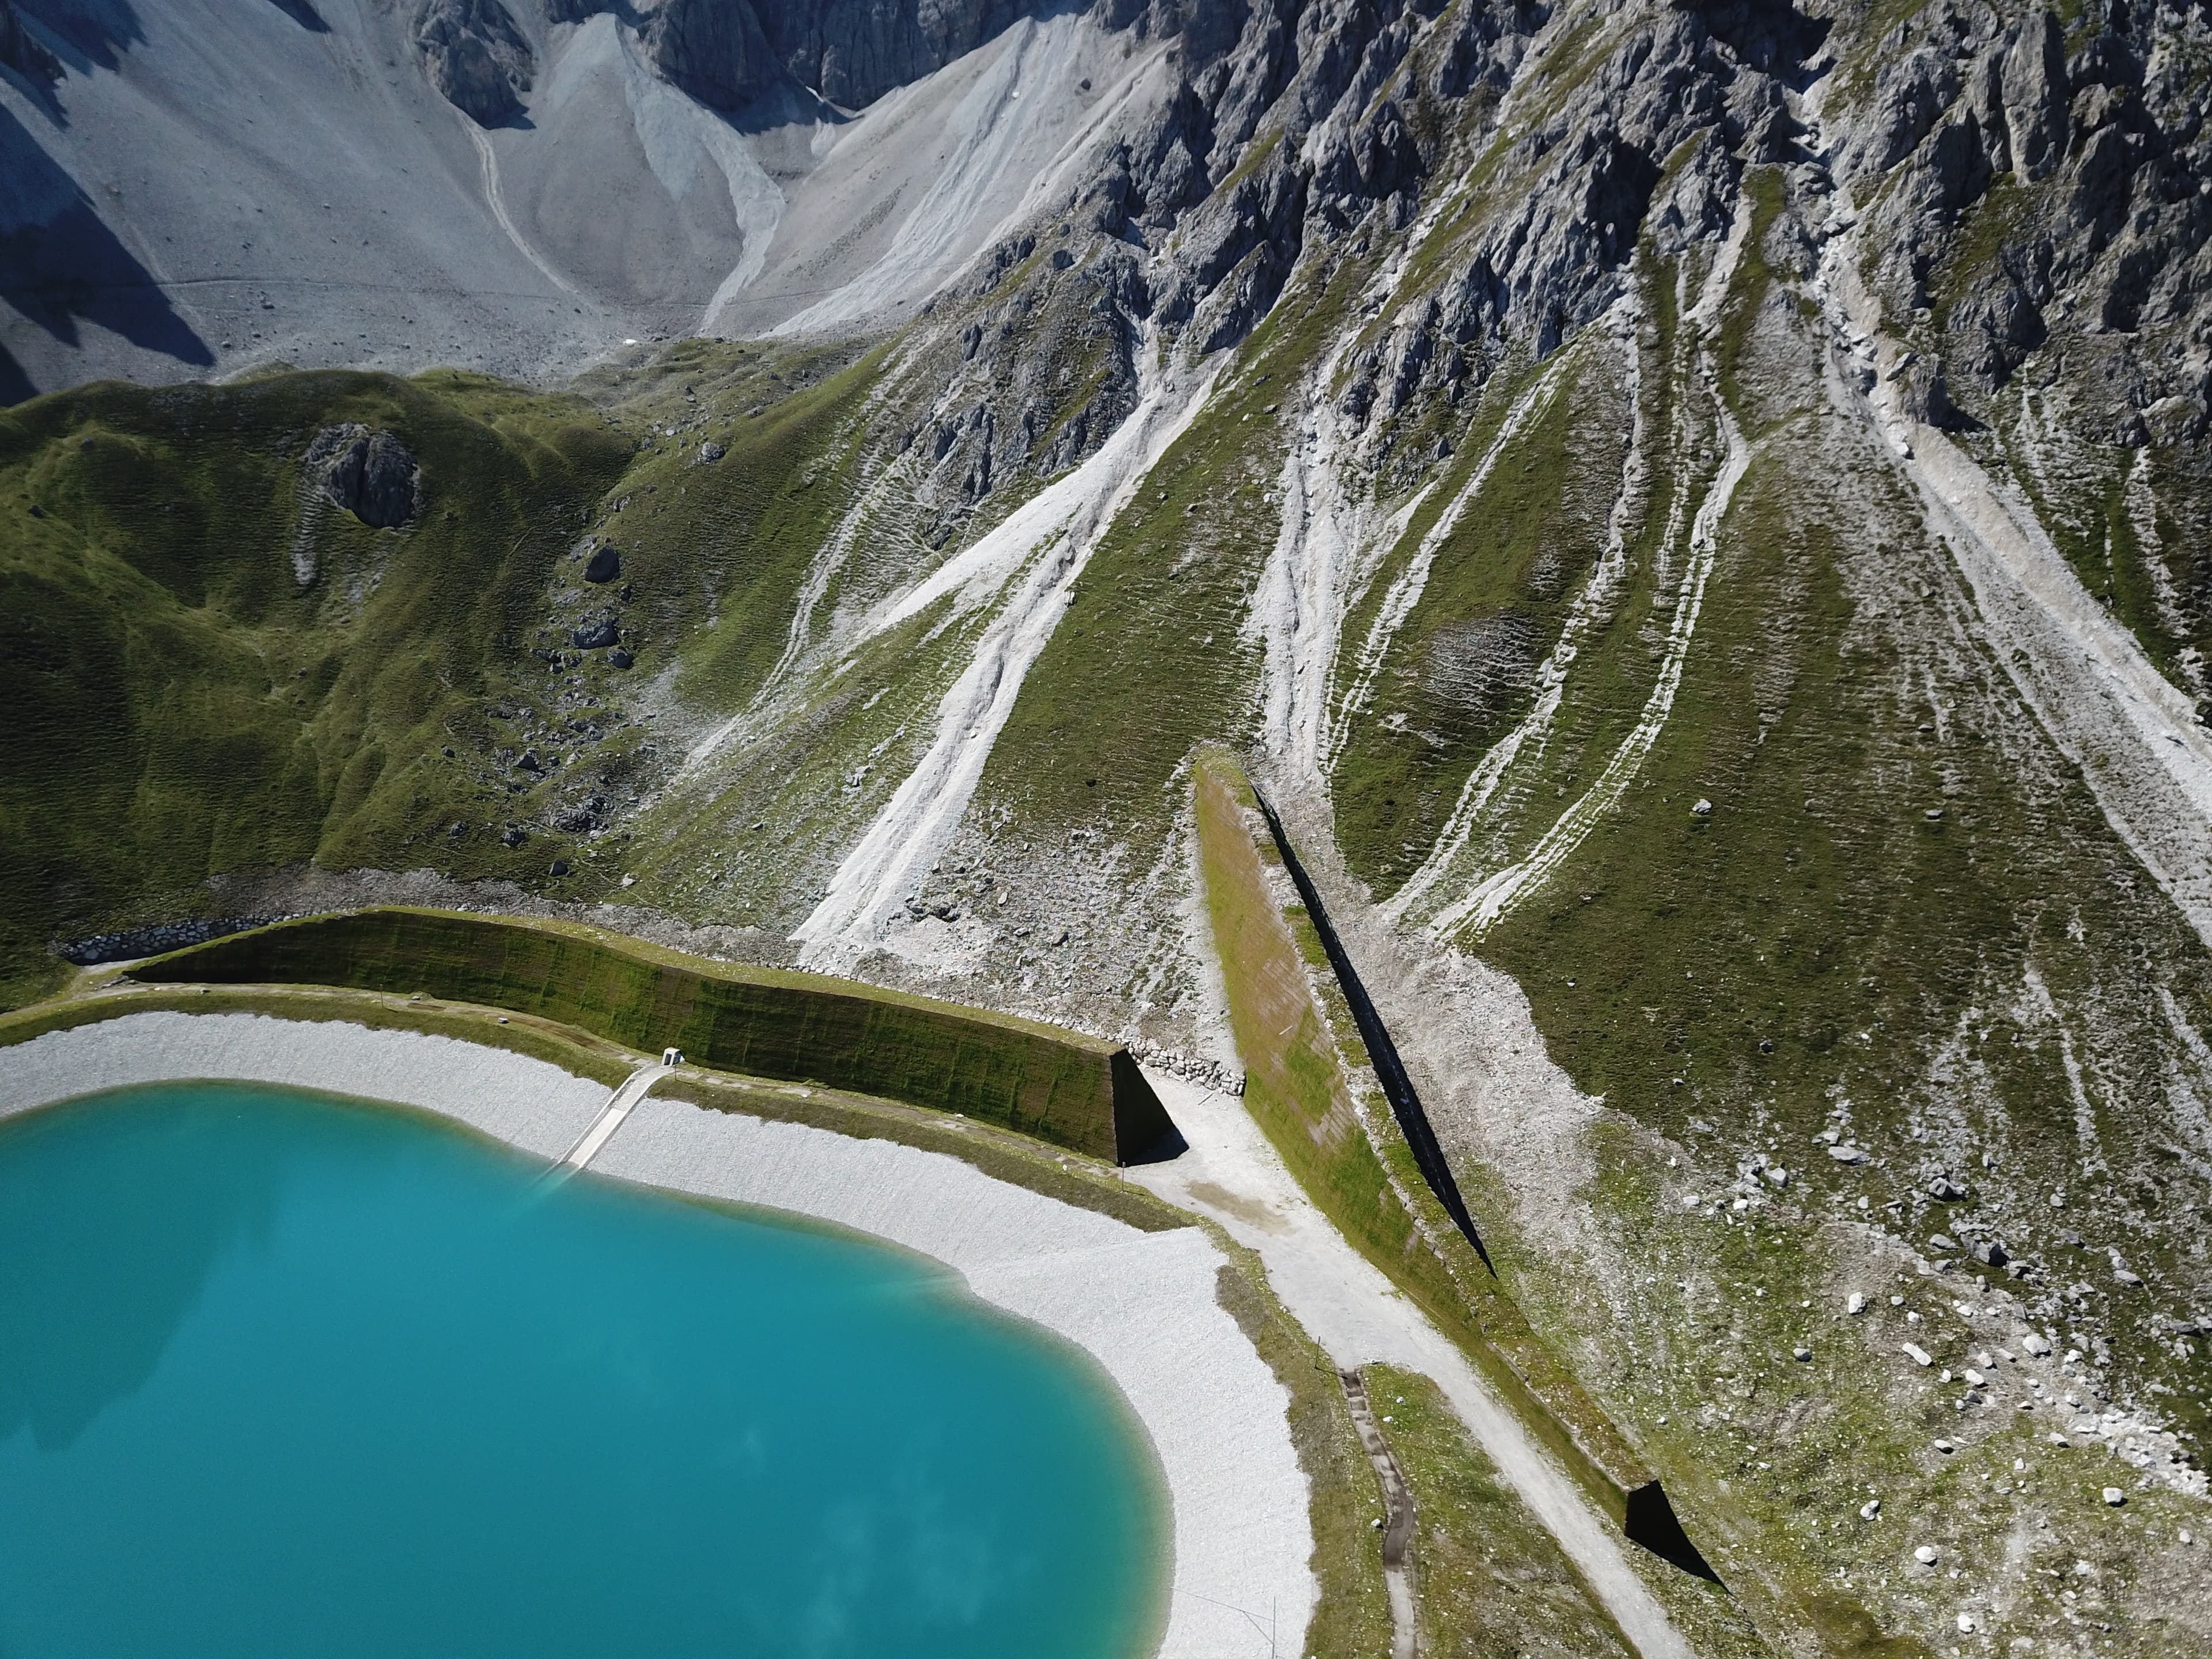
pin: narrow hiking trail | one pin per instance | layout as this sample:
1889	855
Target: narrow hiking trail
1405	589
1596	593
1329	545
488	160
1332	542
809	648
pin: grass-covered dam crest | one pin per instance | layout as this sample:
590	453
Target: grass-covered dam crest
1056	1084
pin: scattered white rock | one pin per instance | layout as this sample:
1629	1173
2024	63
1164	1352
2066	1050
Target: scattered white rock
1965	1624
1870	1508
2039	1346
1703	809
2115	1497
1801	1353
2186	1536
1917	1354
1946	1447
1854	1304
1847	1153
1927	1555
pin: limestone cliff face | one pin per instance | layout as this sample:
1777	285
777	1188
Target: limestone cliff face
2091	162
476	56
713	49
851	52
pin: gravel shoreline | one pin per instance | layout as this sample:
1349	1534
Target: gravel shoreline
1143	1305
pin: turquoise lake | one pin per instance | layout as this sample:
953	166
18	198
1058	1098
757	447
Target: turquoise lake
287	1374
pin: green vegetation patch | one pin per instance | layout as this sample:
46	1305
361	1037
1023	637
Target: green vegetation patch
1462	668
211	667
1489	1581
1351	1610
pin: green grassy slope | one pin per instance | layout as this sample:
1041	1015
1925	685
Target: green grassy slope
183	705
1490	1582
1997	994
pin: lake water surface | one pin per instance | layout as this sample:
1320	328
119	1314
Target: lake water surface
284	1374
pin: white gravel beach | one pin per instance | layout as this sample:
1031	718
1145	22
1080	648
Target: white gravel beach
1142	1304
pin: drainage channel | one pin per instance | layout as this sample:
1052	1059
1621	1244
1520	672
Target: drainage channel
1397	1517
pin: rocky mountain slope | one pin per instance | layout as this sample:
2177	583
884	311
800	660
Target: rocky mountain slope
1695	514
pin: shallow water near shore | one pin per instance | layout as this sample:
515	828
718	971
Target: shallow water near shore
284	1373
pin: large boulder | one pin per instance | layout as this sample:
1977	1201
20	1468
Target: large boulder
476	56
597	634
370	474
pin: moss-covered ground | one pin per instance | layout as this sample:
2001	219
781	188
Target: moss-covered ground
182	704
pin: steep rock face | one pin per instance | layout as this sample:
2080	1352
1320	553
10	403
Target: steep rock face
853	52
21	51
476	56
713	49
370	474
2087	166
728	52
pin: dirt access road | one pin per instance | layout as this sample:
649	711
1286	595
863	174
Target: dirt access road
1232	1176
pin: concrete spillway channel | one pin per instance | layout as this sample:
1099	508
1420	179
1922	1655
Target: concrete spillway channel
634	1089
1398	1516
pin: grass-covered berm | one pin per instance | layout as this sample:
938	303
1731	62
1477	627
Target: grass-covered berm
1055	1084
1311	1086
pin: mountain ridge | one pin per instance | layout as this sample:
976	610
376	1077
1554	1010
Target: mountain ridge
1693	513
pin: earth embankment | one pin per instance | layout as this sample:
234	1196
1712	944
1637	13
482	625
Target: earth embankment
1057	1086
